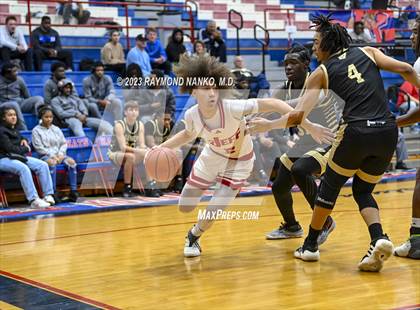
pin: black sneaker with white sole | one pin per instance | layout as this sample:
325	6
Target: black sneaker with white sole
192	245
379	251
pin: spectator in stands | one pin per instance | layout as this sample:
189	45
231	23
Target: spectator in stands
112	54
128	147
200	49
157	54
139	56
58	73
359	34
73	111
131	91
47	45
13	91
68	9
212	38
239	67
156	97
48	140
175	47
13	44
13	159
157	131
99	92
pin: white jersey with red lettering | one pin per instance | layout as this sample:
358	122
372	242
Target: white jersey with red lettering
228	155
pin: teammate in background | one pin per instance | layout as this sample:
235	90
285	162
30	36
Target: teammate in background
128	147
228	155
306	159
366	139
411	248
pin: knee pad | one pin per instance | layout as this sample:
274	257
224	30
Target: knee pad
329	189
365	200
327	195
362	193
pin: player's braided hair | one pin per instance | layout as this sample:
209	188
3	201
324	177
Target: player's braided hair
334	37
199	68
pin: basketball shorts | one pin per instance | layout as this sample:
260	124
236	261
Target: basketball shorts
364	150
212	168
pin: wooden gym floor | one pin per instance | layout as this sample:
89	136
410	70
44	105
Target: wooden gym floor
133	260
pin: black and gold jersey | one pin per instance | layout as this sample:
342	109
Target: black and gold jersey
354	76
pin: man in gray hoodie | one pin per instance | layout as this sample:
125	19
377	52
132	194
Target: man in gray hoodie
72	110
58	73
100	93
13	92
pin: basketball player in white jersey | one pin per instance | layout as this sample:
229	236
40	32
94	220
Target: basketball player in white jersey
228	155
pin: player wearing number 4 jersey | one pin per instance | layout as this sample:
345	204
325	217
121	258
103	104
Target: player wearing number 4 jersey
366	139
228	156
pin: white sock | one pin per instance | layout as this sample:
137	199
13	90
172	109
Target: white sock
415	222
196	231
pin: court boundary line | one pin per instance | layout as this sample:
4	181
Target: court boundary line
57	291
162	225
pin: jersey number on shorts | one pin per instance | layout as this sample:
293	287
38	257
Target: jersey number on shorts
354	74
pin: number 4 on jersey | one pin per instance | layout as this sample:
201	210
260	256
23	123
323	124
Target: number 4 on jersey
354	74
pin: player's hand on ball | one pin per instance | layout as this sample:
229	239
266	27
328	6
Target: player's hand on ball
259	124
320	133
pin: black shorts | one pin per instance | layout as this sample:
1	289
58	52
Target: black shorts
364	150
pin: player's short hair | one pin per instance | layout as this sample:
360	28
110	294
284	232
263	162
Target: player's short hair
199	68
131	104
302	52
334	37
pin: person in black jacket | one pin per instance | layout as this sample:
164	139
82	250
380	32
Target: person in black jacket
47	45
175	47
13	159
212	38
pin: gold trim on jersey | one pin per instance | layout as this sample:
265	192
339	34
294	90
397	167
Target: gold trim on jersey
368	55
324	68
338	169
289	89
373	179
285	160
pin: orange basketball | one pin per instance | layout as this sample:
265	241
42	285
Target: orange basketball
161	164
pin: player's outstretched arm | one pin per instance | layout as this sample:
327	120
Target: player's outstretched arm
410	118
181	138
390	64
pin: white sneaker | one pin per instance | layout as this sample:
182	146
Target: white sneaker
49	199
285	232
192	246
410	248
39	204
378	252
307	254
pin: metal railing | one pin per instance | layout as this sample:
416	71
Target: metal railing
263	42
238	27
126	6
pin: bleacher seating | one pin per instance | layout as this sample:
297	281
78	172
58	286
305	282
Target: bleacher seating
86	42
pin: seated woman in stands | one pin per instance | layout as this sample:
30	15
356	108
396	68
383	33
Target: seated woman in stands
48	140
112	54
128	148
13	159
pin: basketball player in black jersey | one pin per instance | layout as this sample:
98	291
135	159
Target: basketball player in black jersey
306	159
366	139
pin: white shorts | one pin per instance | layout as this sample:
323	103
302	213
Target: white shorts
210	168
